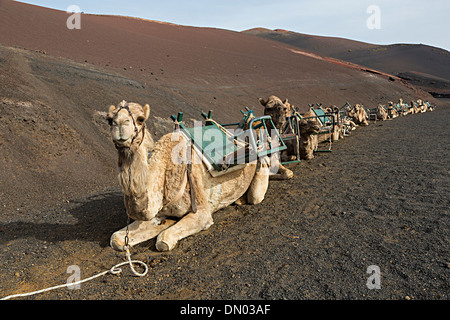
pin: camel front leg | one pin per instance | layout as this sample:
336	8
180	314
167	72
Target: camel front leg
258	187
190	224
139	231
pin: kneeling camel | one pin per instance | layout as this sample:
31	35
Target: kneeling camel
158	187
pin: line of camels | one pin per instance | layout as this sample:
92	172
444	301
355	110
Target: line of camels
172	200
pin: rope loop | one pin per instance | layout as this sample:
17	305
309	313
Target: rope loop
114	270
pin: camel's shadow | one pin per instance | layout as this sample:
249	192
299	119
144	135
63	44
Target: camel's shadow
92	219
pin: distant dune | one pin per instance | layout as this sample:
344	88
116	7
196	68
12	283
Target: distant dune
425	66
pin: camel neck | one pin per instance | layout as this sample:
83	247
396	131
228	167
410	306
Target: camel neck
133	164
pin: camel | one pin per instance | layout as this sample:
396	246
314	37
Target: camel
391	110
172	183
345	122
423	106
382	114
429	107
280	111
324	136
415	108
358	115
340	124
347	126
405	108
309	133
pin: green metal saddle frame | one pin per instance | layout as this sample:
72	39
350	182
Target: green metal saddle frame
327	122
371	113
224	149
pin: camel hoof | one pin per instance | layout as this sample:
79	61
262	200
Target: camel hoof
288	174
117	243
162	246
163	243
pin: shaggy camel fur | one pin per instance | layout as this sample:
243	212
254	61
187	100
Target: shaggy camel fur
157	188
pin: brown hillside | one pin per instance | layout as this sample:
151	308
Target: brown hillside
403	60
54	92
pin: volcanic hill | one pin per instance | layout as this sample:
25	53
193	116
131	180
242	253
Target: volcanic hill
56	84
424	66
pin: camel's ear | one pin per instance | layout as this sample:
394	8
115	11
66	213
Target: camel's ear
109	116
110	112
285	101
263	102
111	109
146	111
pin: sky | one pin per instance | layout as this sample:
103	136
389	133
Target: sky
372	21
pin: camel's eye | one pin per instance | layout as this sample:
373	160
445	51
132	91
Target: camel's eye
110	121
140	120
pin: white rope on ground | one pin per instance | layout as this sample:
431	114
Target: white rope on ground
114	270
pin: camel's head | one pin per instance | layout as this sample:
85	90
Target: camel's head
279	110
127	122
333	109
309	127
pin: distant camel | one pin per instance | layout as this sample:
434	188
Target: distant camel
382	113
280	111
358	115
391	110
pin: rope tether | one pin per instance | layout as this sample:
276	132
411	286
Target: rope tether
114	270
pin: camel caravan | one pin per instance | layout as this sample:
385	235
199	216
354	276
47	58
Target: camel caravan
173	186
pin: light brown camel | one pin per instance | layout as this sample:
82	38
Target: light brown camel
338	132
311	115
359	115
382	114
406	109
309	133
160	187
280	111
414	107
423	107
391	110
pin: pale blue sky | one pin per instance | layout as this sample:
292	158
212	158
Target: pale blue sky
401	21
